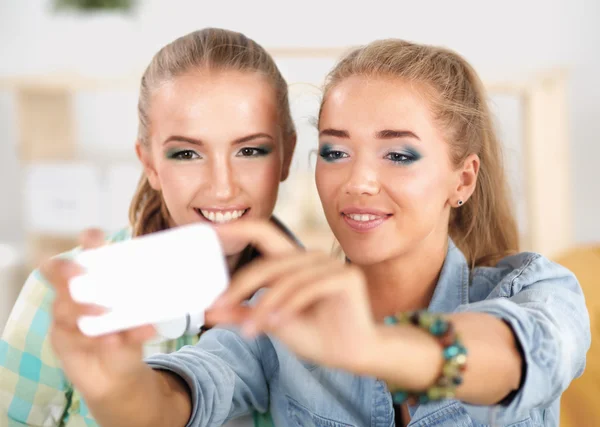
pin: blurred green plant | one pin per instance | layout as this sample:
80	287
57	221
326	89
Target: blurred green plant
95	5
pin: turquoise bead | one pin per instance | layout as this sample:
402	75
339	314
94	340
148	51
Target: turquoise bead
390	320
439	327
399	397
423	398
451	351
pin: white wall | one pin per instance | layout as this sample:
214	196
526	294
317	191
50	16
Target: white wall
502	39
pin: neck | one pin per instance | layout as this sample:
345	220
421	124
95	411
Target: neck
406	282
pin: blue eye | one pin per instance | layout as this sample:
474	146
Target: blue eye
254	151
403	158
182	155
328	154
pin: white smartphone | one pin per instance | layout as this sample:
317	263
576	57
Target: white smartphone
151	279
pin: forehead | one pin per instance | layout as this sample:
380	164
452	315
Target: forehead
376	102
203	101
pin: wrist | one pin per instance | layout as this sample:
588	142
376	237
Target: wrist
401	355
408	357
453	358
119	390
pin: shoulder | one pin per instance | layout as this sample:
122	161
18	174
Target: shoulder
518	272
120	236
36	284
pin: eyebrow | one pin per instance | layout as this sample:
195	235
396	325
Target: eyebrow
394	134
241	140
382	134
334	132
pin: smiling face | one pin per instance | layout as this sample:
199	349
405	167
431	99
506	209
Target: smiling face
215	148
384	173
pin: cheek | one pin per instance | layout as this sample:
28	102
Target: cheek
178	176
422	191
328	181
260	179
176	187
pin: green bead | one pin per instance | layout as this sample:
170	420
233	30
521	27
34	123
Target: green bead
426	320
435	393
399	397
423	398
403	317
451	370
449	393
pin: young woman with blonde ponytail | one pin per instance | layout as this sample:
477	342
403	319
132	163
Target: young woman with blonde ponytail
215	139
435	319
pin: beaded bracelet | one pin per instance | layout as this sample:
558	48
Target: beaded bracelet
455	357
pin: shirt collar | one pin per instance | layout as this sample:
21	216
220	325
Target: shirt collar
452	288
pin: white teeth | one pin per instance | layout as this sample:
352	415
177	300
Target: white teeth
363	217
222	217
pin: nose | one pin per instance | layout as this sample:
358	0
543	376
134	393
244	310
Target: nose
362	180
223	180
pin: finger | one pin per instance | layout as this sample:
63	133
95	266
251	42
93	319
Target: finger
263	273
65	312
139	335
91	238
58	272
267	308
265	236
307	296
227	316
110	342
65	340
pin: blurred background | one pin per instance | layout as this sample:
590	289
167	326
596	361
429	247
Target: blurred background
69	72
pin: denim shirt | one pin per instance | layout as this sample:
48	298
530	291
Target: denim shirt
229	375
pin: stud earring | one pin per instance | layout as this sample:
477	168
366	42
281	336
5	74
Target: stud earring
460	202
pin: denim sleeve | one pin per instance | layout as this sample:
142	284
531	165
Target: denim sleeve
545	306
226	374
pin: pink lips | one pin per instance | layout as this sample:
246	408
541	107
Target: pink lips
363	220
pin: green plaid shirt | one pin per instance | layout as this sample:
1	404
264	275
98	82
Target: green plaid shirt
33	388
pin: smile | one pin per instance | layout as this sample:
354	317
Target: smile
221	216
363	221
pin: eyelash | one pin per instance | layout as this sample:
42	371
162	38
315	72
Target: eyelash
257	152
181	155
187	155
330	155
401	158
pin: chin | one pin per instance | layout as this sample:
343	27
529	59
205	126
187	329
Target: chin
362	254
374	252
364	259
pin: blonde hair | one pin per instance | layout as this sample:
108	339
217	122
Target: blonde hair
210	49
484	228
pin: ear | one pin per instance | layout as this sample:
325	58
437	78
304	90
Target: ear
467	180
288	154
145	157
